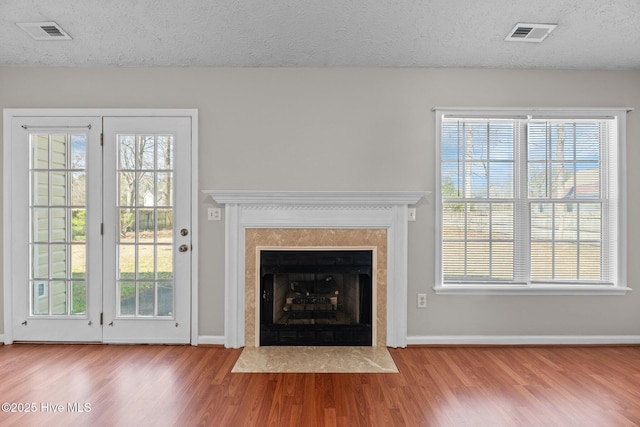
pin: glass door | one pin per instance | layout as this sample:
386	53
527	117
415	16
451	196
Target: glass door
56	223
99	242
147	248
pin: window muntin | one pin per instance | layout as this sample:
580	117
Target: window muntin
526	200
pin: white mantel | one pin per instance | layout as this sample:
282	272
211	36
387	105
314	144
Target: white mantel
316	209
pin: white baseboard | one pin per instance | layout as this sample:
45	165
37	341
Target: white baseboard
523	339
202	339
211	340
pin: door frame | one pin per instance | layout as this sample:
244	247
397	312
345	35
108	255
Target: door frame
7	256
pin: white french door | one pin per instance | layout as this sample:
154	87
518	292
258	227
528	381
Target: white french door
147	229
100	229
56	247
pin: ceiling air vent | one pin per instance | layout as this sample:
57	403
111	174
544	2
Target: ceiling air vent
44	30
532	33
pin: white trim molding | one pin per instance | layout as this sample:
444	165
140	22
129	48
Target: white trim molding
316	209
499	340
531	290
211	340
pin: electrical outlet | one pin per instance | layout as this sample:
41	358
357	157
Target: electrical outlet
412	214
214	214
422	300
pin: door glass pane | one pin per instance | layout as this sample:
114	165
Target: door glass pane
58	149
164	224
40	262
127	298
58	224
126	150
146	150
164	185
145	189
78	188
126	188
59	297
146	226
78	152
78	262
127	225
145	299
40	151
145	248
40	223
58	257
165	262
127	259
78	297
40	188
165	298
165	152
146	264
58	190
78	225
40	298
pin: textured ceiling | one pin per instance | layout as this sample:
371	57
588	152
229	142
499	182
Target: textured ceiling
591	34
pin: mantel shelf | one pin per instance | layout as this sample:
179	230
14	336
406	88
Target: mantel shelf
267	197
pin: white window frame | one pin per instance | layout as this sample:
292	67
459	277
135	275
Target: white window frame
619	285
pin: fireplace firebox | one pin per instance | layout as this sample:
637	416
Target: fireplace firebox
316	297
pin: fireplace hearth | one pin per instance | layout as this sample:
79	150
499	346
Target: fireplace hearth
316	297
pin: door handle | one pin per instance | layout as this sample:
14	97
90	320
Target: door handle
183	248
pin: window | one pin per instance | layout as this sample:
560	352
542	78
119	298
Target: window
529	201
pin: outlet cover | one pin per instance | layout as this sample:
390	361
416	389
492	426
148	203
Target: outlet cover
422	300
412	214
214	214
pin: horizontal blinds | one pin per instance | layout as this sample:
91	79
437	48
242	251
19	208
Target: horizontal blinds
525	198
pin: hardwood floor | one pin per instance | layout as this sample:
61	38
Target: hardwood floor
436	386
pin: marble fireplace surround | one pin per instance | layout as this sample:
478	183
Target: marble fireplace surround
373	239
331	212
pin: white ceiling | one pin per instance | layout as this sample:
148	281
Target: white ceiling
591	34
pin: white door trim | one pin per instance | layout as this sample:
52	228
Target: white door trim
10	113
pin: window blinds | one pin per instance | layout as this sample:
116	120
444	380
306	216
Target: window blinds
528	198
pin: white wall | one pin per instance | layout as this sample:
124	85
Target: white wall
354	129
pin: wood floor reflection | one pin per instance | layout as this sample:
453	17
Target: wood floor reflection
437	386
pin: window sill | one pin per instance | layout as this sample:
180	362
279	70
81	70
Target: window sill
488	289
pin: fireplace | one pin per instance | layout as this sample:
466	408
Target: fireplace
257	220
316	297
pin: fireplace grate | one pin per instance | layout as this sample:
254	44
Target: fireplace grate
312	300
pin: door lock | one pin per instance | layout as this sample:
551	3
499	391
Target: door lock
184	232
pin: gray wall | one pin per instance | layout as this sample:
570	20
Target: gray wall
354	129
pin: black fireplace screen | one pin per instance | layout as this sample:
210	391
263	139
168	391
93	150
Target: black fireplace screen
316	297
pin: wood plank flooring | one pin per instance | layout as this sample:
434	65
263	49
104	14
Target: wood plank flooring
436	386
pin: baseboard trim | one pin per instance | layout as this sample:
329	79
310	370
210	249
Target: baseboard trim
211	340
523	340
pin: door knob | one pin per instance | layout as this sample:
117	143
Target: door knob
183	248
